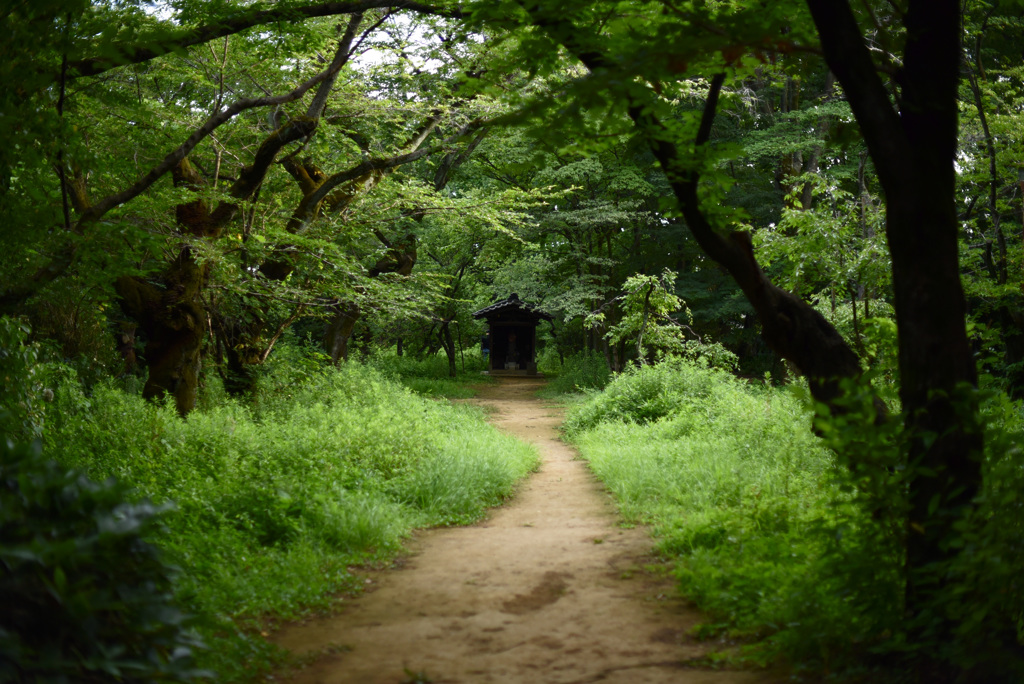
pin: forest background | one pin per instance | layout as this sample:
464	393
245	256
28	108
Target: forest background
208	206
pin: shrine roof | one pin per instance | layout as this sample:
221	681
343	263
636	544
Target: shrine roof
512	305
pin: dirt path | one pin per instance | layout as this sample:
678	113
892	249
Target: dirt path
548	590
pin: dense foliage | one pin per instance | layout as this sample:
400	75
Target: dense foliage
821	189
87	597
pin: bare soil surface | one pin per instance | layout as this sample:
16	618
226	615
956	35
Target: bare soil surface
550	588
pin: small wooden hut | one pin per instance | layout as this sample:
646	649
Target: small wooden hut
512	332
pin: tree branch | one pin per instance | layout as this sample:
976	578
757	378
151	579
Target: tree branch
149	47
792	327
848	57
385	163
344	51
295	129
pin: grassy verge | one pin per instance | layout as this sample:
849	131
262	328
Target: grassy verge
776	540
584	372
729	477
277	499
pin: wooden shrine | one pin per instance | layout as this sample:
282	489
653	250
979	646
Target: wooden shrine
512	336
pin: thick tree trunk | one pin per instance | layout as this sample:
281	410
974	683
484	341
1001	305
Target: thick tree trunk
339	331
173	321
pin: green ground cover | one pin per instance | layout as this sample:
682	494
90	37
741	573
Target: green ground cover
769	532
275	500
429	376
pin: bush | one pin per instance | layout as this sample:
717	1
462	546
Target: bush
586	370
86	596
647	394
21	402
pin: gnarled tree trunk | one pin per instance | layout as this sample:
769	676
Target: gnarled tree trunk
173	321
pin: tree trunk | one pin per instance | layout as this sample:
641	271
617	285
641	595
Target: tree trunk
914	153
240	360
449	347
173	321
339	330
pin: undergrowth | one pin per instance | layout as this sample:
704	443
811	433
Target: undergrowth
429	375
275	500
586	370
767	532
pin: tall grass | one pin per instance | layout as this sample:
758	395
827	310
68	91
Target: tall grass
767	532
429	375
586	370
728	475
277	499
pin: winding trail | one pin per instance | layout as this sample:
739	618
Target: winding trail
549	589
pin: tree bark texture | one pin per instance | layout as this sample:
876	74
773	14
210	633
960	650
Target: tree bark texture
339	330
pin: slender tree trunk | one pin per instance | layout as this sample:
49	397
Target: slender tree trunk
858	340
449	347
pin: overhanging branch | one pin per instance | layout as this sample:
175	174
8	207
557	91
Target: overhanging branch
148	48
294	131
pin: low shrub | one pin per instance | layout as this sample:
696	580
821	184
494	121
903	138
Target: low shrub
646	394
86	596
586	370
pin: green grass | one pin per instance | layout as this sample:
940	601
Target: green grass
724	473
277	499
772	537
428	376
582	372
736	488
